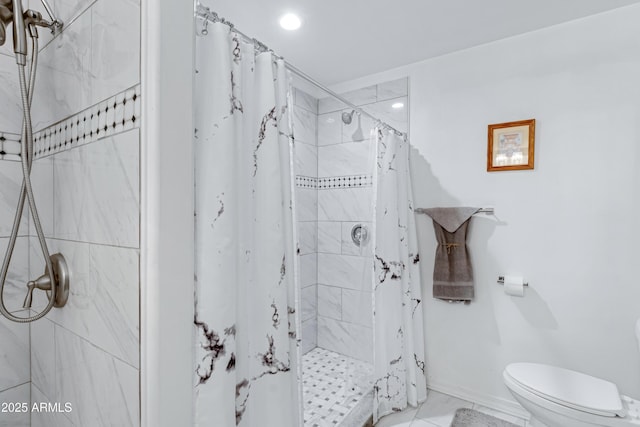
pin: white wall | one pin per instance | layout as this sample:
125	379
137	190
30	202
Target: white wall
166	240
570	226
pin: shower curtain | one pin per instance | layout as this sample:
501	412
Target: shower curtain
399	367
245	367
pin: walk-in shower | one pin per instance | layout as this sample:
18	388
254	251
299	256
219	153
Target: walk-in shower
55	280
336	179
300	303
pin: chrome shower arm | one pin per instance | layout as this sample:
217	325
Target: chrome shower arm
55	22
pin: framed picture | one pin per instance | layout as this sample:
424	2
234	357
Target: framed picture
511	146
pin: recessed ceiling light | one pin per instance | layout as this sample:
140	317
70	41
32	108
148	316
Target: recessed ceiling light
397	105
290	21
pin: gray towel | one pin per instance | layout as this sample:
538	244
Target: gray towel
452	272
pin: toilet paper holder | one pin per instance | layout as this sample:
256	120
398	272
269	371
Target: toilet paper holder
501	281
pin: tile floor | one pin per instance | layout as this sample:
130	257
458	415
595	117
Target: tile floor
438	411
332	386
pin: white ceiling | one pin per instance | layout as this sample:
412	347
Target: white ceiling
345	39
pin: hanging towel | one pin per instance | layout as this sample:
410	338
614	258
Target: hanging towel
452	272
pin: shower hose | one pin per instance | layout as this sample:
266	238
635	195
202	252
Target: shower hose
26	193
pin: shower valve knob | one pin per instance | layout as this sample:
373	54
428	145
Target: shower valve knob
43	282
61	277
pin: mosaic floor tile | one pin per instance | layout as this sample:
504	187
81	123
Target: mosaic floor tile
332	385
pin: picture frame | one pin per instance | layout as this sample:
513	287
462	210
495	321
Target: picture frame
511	146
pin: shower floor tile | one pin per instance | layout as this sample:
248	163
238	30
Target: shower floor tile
332	386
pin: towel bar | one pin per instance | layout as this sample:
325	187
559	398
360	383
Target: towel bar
488	211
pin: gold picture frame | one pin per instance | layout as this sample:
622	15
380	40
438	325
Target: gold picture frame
511	146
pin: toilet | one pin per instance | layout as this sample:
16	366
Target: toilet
558	397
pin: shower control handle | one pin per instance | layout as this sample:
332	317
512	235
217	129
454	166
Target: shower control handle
43	282
360	235
61	277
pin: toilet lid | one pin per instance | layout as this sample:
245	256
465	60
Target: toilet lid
568	388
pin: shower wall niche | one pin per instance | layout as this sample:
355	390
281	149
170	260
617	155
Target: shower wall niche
86	115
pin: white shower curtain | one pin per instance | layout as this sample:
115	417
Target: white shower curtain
245	313
399	368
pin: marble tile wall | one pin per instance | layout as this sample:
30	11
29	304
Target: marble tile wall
346	155
14	356
97	54
19	393
305	115
91	346
86	115
11	105
377	100
14	352
15	348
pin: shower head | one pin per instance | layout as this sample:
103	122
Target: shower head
6	16
358	135
347	117
19	34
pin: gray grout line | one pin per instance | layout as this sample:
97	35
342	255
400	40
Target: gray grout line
68	24
94	345
50	400
15	386
90	243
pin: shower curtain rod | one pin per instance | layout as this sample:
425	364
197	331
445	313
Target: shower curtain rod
210	16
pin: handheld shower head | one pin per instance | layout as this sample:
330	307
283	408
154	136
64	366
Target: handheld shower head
19	34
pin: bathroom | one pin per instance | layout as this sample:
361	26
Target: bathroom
114	109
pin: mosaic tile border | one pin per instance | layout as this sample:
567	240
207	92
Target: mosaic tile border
9	146
334	182
306	182
353	181
116	114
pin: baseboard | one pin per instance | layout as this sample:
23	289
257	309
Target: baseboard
497	403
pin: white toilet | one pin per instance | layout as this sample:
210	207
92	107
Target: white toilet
558	397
